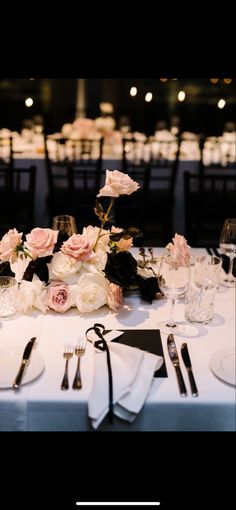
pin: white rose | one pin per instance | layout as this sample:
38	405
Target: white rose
92	292
63	267
40	294
92	234
19	266
25	297
97	263
31	294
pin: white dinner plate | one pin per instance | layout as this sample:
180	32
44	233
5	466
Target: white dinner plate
222	364
10	360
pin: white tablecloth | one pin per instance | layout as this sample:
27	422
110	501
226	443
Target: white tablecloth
42	406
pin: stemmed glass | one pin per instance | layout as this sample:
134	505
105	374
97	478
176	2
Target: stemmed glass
65	224
228	247
173	282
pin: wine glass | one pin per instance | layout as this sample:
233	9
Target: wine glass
173	282
228	247
65	224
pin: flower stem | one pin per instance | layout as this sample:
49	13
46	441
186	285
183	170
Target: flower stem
103	222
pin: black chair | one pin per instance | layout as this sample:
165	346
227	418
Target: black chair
74	175
17	199
128	209
151	207
209	200
161	174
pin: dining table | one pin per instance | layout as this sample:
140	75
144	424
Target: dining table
41	405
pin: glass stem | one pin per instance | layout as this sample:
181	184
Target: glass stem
230	276
171	322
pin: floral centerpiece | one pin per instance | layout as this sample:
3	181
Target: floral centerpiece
86	270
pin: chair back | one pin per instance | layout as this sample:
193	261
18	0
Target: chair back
209	199
74	173
17	198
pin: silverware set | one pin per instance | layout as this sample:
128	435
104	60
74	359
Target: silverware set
172	350
70	348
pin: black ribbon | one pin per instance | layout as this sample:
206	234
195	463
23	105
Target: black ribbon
102	346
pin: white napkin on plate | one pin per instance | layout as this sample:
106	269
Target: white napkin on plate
132	374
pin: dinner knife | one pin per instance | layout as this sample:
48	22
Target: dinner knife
24	363
187	362
175	361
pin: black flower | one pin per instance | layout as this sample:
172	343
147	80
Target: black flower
121	268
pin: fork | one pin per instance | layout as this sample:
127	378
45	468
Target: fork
67	354
79	351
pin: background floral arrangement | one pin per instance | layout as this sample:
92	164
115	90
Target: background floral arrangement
85	270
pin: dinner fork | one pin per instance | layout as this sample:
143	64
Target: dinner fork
67	354
79	351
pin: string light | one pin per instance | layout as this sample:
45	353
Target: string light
148	97
181	96
133	91
29	102
221	103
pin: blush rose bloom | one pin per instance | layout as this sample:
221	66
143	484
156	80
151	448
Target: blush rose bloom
123	244
92	292
117	183
114	297
79	247
41	241
8	245
180	251
58	297
63	267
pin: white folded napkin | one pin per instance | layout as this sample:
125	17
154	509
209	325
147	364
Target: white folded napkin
132	374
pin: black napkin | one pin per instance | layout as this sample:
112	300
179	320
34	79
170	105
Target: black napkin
146	339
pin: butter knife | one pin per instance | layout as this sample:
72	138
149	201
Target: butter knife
175	361
187	362
24	363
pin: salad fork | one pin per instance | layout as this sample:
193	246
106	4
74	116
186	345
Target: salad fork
67	354
79	351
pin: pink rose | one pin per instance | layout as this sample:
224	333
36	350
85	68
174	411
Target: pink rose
117	183
58	297
180	251
114	297
79	247
123	244
8	245
41	241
